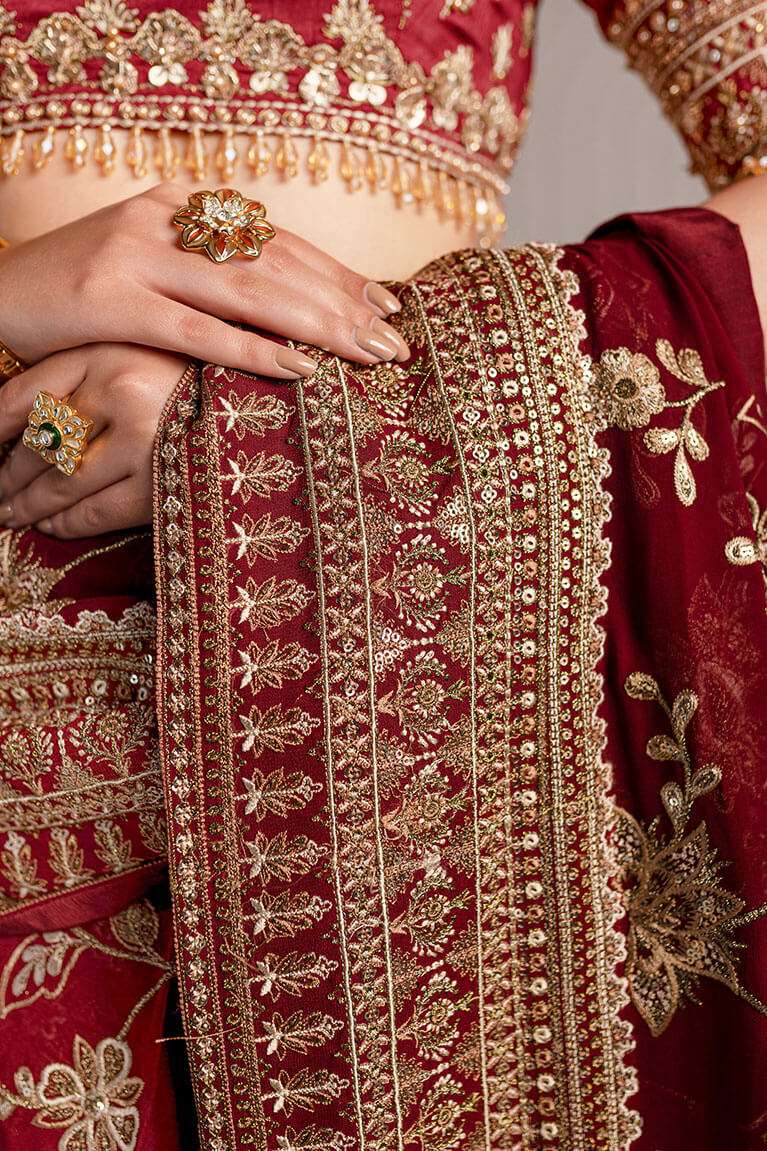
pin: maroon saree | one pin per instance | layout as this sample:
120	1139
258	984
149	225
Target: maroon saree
460	742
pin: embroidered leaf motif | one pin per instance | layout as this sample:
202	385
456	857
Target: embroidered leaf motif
705	779
696	445
267	537
277	792
253	414
261	474
299	1031
20	867
305	1090
281	857
314	1138
137	927
663	747
639	685
286	914
275	729
39	966
65	857
112	847
685	706
272	602
684	481
270	665
294	973
661	440
673	801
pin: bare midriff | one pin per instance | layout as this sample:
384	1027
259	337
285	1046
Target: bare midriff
365	230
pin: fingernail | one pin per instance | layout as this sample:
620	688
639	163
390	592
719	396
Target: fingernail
389	333
378	297
44	526
295	362
375	345
6	514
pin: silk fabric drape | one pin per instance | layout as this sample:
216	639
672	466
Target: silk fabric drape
459	677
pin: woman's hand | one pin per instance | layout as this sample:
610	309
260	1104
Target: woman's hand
123	389
119	275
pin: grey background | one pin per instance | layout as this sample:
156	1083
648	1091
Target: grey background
598	142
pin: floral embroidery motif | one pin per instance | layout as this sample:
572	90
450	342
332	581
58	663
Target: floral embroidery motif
92	1098
628	387
681	917
629	391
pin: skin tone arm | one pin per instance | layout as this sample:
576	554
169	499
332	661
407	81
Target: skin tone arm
118	275
745	203
125	387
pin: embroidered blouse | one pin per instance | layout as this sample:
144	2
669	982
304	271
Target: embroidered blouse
427	98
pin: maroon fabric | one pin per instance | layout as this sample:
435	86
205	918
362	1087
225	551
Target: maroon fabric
680	611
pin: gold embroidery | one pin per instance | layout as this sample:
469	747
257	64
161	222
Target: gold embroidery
628	388
92	1100
399	147
745	550
629	391
450	842
707	61
78	757
681	917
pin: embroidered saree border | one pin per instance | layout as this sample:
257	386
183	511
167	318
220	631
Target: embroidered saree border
453	983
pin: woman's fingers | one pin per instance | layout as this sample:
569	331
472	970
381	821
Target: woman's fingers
280	293
103	466
59	374
357	287
125	504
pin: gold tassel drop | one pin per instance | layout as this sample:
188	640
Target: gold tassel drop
286	159
136	155
76	147
166	155
318	161
196	160
104	153
43	148
259	157
227	155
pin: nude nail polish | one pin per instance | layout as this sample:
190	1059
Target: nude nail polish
6	514
375	345
378	297
393	337
295	362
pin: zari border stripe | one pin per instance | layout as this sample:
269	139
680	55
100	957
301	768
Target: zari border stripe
178	706
561	1012
339	519
502	373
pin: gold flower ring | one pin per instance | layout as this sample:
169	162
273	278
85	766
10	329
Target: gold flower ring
57	433
223	224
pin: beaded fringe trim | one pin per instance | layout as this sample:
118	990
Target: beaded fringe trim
366	164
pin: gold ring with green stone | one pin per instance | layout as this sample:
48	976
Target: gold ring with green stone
57	433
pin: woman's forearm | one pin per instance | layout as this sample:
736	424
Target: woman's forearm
745	203
119	275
